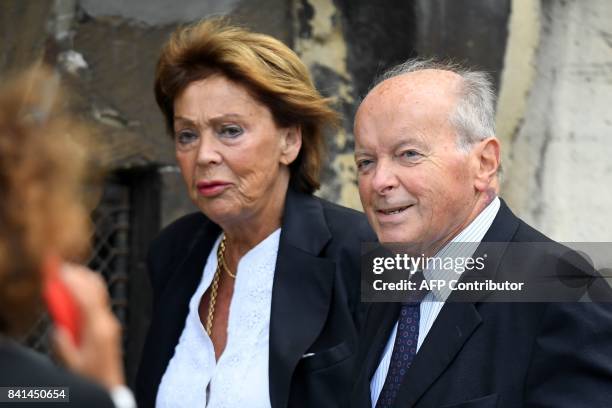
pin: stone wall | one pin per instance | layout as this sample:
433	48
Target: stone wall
555	120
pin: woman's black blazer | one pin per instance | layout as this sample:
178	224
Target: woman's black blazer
315	297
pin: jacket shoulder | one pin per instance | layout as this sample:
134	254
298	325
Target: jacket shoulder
171	244
179	230
526	233
347	222
20	366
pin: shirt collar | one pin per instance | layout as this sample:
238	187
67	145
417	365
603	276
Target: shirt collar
463	245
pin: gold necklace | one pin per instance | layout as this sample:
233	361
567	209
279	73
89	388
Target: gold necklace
222	260
215	285
213	289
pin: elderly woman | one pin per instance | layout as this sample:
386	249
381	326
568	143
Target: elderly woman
255	297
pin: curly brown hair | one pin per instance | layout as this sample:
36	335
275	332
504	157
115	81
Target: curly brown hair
272	73
42	165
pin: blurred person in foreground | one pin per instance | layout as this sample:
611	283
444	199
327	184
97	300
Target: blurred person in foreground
428	162
42	223
255	296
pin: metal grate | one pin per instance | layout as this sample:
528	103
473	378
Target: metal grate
38	337
110	257
126	219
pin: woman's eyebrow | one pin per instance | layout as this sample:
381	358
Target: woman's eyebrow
178	118
227	116
183	119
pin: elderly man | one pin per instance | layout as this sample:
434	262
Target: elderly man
428	163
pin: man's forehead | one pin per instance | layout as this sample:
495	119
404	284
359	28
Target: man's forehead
425	91
427	81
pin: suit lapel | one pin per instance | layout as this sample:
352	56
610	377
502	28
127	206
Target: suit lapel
381	319
169	321
452	328
302	290
456	322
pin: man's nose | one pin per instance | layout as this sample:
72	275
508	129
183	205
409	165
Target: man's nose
385	179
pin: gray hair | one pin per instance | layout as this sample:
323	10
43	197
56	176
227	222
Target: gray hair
474	116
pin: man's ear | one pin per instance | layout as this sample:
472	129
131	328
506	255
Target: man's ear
487	155
291	143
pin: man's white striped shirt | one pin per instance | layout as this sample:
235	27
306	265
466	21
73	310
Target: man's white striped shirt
463	245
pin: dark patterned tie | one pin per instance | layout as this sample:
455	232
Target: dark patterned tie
405	346
404	351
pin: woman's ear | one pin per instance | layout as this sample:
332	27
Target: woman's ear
291	143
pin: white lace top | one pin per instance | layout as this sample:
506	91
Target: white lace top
240	378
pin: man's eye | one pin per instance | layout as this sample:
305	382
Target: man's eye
410	155
185	137
231	131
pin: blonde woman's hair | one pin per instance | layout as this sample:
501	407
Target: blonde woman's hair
42	165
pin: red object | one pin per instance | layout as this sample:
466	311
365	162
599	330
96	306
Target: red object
60	303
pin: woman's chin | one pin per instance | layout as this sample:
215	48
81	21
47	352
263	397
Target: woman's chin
221	213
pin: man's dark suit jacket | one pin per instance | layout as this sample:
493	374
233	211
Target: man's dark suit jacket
25	368
480	355
315	300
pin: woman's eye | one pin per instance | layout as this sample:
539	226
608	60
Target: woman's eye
230	131
185	137
364	164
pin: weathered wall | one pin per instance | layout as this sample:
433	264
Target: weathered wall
518	72
559	146
555	77
467	31
321	44
19	47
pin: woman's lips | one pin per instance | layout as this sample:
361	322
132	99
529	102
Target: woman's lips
211	188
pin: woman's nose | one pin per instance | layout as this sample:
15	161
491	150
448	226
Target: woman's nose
208	151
